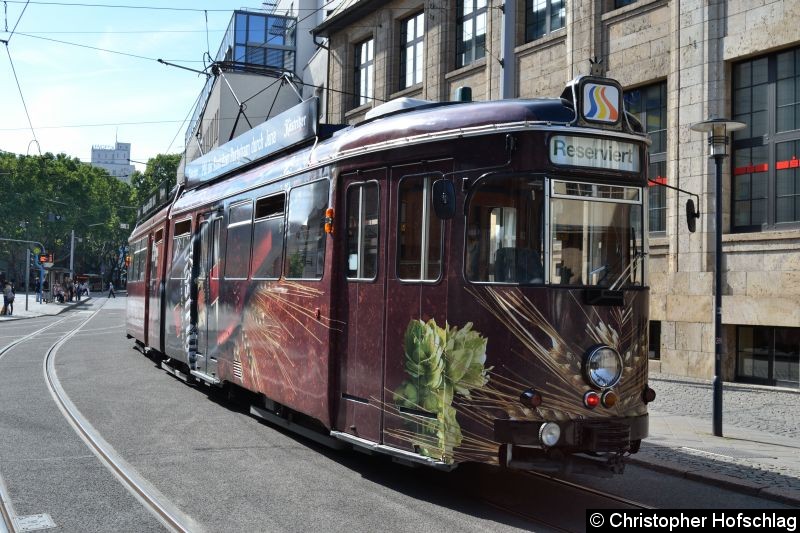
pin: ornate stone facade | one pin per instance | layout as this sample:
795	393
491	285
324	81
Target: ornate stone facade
693	47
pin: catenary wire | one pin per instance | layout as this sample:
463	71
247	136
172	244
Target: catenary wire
24	105
104	49
17	24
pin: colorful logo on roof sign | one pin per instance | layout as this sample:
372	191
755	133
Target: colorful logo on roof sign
601	103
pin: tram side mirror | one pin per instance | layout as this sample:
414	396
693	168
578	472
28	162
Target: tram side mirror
691	215
444	199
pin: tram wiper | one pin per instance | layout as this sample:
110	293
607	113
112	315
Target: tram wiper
630	270
593	274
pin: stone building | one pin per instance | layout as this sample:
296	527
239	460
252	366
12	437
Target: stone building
116	160
680	63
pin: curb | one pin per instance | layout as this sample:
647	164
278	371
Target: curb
65	307
788	496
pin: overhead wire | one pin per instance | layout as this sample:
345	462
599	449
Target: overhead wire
16	79
17	24
24	105
180	128
103	49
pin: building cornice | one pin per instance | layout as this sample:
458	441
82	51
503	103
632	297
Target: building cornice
347	17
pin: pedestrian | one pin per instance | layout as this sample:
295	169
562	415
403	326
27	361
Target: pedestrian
111	290
8	299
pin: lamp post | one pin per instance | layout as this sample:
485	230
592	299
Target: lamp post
717	129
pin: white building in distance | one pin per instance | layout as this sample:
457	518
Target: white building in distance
114	159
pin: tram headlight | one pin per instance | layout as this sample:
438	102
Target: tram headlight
549	433
603	367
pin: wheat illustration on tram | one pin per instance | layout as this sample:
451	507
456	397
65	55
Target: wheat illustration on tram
270	310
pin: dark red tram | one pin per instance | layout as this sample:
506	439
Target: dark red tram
444	282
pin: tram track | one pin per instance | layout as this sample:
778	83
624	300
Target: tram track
156	503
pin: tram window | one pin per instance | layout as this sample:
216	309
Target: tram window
504	231
180	247
305	234
596	233
419	236
139	259
154	251
362	230
268	237
237	251
216	224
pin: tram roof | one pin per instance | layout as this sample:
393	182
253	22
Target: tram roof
416	125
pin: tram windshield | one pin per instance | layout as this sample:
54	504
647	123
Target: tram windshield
505	231
595	233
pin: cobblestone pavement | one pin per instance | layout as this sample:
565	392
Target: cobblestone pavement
767	409
759	452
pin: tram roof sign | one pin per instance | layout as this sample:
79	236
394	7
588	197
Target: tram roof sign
282	131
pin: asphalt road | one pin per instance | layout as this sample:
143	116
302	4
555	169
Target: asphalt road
225	470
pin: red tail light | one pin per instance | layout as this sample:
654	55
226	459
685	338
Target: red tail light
591	399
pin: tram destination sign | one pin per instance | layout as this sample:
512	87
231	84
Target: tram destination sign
282	131
594	152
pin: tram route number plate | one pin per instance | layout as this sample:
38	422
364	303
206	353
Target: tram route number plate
34	522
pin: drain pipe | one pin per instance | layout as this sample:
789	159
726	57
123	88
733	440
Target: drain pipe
508	80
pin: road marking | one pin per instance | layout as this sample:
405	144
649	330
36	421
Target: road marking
35	522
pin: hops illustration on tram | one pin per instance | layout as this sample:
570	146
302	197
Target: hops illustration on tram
441	362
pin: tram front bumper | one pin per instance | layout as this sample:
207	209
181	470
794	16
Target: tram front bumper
600	435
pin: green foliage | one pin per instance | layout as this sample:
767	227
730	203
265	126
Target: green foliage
440	362
162	168
45	197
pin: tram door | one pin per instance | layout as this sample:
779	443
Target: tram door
207	283
363	303
416	290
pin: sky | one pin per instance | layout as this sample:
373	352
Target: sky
77	97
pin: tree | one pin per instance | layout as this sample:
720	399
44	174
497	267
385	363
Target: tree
46	197
161	169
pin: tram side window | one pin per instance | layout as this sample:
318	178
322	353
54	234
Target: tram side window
154	253
237	250
268	237
305	234
180	247
419	236
135	267
362	231
139	260
504	240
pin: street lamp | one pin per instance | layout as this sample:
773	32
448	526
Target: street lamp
717	129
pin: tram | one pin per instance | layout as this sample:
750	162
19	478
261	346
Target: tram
444	282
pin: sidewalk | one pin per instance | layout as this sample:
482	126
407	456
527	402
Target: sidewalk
37	309
759	452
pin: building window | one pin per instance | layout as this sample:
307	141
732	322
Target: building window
470	31
768	355
412	50
365	70
622	3
654	340
766	153
543	17
263	40
649	105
